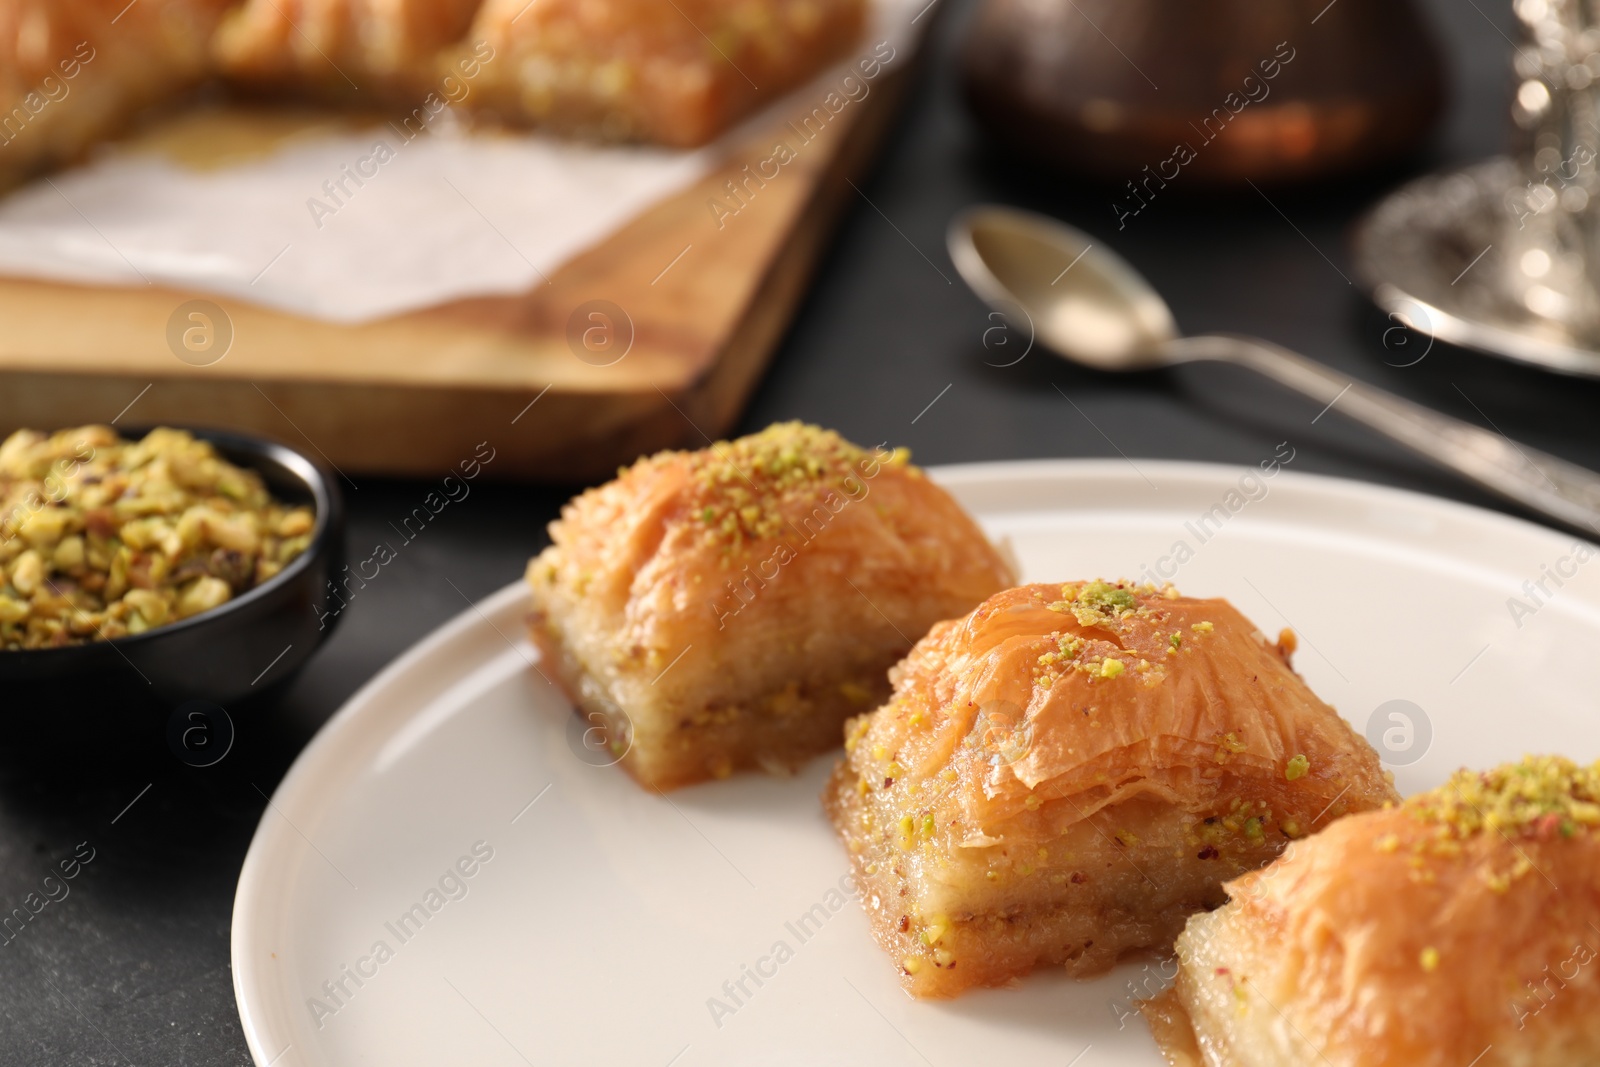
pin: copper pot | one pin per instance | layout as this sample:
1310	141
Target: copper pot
1221	91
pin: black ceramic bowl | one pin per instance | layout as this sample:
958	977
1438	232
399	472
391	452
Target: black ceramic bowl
220	656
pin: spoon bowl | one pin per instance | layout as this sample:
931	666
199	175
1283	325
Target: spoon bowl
1085	302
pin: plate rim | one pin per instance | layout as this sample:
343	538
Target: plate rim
305	778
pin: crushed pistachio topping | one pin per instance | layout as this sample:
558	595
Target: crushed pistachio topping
1542	796
1068	656
1297	768
1100	603
854	729
1107	606
102	537
1105	597
1067	648
745	490
1249	819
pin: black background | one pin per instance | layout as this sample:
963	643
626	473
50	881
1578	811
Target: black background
133	966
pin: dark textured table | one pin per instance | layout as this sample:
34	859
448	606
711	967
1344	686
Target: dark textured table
132	965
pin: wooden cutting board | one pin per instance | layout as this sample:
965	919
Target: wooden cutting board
708	295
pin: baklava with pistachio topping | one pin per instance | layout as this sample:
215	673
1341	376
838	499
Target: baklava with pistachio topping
1069	772
730	608
1462	927
676	72
74	73
346	49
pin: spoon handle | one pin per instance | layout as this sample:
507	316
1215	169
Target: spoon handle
1547	484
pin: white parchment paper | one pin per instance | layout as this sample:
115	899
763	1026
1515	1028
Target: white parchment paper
443	215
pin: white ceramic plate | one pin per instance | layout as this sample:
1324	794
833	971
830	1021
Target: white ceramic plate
610	925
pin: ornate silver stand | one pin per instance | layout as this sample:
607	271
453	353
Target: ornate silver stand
1504	256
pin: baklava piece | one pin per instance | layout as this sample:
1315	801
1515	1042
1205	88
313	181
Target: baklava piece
1070	772
1459	928
350	50
730	608
676	72
76	72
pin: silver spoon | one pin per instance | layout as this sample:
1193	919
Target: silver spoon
1089	306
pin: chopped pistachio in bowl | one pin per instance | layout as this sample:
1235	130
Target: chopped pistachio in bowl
103	538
